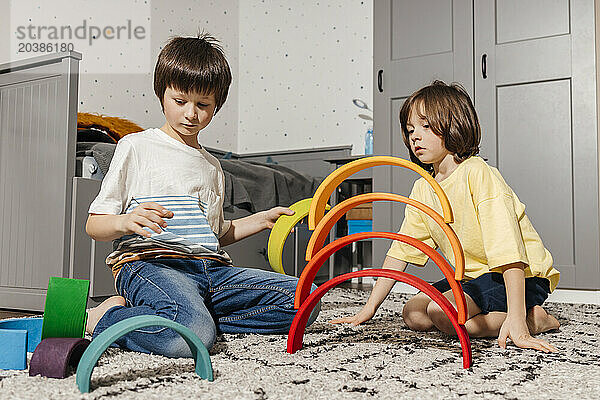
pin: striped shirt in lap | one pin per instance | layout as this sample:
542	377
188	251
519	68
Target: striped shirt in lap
188	229
188	234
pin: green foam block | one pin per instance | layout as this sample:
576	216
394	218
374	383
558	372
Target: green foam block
64	312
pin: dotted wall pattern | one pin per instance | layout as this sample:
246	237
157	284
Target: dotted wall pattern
114	35
301	64
296	67
131	95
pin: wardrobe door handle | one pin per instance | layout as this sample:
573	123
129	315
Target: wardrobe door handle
484	66
380	80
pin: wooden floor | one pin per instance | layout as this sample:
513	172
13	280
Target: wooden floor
15	314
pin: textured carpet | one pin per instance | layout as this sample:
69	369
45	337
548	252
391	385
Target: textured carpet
382	359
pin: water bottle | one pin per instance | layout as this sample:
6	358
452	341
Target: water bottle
369	141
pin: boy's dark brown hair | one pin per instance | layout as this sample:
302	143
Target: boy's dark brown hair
451	115
193	64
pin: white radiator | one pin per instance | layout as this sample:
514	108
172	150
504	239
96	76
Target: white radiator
38	118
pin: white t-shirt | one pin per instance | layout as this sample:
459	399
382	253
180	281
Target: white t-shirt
152	166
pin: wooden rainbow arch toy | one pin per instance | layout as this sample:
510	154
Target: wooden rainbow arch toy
322	224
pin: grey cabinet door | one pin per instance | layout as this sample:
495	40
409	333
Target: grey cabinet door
535	92
415	42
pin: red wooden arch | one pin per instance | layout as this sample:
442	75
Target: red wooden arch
296	334
310	270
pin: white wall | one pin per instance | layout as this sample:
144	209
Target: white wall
117	80
132	95
301	64
4	31
296	65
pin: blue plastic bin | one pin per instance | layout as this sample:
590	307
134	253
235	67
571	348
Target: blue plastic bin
359	225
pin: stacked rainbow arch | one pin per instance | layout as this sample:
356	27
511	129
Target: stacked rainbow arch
321	224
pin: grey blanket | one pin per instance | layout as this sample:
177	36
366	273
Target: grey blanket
256	186
249	185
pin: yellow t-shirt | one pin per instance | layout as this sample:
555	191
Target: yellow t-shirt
489	220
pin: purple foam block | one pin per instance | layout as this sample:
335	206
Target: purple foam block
53	356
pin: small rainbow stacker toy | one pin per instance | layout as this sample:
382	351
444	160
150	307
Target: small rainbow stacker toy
321	224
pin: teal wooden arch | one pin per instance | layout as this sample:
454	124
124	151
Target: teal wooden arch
102	341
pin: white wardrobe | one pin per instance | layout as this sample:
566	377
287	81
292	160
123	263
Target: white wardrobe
530	67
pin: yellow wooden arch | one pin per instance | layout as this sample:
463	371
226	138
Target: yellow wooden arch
281	231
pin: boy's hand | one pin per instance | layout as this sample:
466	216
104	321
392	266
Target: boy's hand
516	329
362	316
274	213
148	215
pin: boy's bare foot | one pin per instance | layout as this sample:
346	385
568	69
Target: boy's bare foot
94	314
538	321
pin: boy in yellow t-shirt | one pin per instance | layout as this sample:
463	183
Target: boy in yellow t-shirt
508	271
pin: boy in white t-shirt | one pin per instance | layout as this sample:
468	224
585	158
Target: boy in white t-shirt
161	203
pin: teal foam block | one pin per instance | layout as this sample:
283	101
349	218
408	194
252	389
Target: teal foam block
33	326
14	344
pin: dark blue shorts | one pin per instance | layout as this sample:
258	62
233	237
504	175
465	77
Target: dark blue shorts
489	293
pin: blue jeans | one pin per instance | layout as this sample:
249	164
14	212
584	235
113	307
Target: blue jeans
203	295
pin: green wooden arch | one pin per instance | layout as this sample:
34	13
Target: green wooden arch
102	341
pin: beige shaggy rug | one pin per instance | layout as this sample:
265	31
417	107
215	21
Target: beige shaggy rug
382	359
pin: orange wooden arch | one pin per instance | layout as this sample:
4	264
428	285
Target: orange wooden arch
310	270
332	181
321	232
